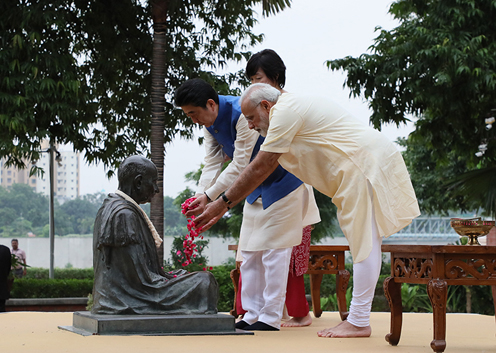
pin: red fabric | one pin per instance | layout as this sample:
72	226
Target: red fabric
296	301
299	257
239	307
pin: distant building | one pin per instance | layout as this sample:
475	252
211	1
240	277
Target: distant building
12	175
66	183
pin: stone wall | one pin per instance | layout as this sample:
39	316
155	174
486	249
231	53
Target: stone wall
77	251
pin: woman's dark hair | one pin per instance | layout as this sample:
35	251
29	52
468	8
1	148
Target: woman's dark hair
270	63
195	92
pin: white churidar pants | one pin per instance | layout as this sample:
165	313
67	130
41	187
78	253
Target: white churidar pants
265	277
365	276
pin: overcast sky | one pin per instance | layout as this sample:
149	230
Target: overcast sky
305	36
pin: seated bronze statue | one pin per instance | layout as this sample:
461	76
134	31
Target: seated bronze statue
129	278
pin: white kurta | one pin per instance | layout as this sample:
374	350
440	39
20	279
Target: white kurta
281	224
327	148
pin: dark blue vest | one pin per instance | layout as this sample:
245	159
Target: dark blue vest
277	185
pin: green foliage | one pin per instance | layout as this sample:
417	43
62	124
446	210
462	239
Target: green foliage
461	299
20	202
79	283
60	273
22	210
439	65
477	187
440	60
175	222
273	6
226	288
409	298
430	177
198	263
51	288
328	225
331	302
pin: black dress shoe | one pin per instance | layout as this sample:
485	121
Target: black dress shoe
241	324
260	326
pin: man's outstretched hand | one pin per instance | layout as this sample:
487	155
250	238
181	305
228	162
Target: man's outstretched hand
211	215
200	202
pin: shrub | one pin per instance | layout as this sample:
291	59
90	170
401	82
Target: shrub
37	285
226	288
60	273
51	288
198	263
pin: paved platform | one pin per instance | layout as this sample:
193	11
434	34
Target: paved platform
87	324
37	332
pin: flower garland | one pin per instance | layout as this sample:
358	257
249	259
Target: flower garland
189	247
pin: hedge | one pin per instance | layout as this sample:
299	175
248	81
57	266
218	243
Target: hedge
51	288
37	285
60	273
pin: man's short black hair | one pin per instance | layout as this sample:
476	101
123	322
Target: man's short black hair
270	63
195	92
14	240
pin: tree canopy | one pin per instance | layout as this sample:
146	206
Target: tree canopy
79	71
439	65
22	210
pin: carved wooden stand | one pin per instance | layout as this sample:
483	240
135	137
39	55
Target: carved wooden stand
324	259
438	266
328	259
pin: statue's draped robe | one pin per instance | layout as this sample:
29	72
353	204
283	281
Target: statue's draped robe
128	275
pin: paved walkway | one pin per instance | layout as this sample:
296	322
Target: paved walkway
37	332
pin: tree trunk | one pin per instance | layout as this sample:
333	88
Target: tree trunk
158	71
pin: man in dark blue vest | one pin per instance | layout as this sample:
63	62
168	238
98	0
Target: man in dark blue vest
274	214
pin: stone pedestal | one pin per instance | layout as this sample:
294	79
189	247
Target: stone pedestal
85	323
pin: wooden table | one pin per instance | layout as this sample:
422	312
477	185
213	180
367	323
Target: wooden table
438	266
324	259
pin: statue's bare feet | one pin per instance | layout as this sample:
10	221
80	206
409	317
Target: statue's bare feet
345	330
298	321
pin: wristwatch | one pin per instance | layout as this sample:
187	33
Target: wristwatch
227	201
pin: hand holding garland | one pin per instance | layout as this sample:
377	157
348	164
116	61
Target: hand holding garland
197	206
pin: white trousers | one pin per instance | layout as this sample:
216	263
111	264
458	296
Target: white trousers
365	276
265	277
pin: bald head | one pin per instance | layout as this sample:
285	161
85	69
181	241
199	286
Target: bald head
133	166
137	178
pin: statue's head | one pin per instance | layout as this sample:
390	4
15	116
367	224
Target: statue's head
138	178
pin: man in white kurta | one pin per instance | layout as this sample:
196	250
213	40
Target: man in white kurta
322	145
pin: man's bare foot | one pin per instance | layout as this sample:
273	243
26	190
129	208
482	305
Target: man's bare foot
345	330
298	321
